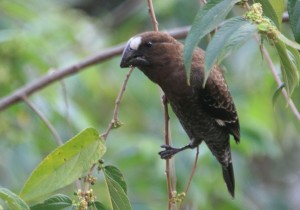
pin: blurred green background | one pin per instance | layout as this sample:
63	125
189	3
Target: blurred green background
38	36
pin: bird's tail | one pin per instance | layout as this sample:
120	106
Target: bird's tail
223	154
228	176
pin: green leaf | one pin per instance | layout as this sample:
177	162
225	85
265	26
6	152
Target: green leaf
116	193
231	35
116	175
13	201
273	9
288	68
97	206
65	164
55	202
294	14
288	41
208	18
294	56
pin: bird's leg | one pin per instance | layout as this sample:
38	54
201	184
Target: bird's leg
170	151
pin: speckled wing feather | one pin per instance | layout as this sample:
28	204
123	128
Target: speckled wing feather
218	103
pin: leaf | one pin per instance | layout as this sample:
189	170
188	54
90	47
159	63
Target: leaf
116	175
97	206
294	14
273	9
13	201
288	41
294	56
55	202
65	164
208	18
232	34
288	69
116	194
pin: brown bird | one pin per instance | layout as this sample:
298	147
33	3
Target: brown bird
206	113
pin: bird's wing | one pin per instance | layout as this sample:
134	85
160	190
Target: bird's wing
218	103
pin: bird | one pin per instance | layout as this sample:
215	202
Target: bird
206	112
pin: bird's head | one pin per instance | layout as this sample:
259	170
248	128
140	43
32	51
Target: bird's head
149	49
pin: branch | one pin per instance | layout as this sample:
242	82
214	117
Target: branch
279	82
44	81
86	179
57	75
61	73
169	174
44	119
115	120
152	15
192	175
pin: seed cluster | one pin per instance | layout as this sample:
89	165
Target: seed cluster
264	24
86	199
177	197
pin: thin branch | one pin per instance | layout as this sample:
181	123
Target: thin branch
152	15
87	182
192	175
279	82
169	173
44	119
115	120
57	75
65	97
61	73
167	142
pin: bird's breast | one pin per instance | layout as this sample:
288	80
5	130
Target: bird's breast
194	119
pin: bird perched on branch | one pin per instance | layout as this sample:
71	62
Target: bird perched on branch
206	113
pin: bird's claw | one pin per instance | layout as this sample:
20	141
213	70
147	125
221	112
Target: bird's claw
168	152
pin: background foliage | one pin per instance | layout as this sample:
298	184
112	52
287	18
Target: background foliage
38	36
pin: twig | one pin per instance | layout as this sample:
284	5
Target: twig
279	82
115	120
57	75
87	182
192	175
170	174
44	119
247	6
167	142
65	97
152	15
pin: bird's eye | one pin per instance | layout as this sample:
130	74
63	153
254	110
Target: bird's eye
149	44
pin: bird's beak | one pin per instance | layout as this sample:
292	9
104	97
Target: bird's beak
127	56
133	57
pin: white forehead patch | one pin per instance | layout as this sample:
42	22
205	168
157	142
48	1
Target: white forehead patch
135	42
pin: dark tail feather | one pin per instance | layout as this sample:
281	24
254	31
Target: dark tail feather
229	178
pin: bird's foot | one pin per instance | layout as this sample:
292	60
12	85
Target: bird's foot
168	152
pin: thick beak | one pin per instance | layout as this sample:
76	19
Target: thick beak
133	57
127	56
